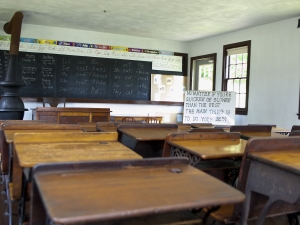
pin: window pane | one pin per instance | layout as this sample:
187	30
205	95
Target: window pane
227	69
239	70
245	57
236	74
232	71
205	81
244	70
236	86
233	59
230	85
243	86
239	58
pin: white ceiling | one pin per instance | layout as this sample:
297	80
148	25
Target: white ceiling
178	20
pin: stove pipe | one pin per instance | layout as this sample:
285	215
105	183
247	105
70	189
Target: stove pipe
11	104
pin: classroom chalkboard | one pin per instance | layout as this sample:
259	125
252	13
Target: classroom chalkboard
54	75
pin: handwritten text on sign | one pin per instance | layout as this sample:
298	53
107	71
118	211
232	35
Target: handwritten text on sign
216	107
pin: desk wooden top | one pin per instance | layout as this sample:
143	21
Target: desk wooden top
92	196
212	149
285	159
280	129
107	129
30	154
248	135
88	126
89	129
150	134
9	134
137	118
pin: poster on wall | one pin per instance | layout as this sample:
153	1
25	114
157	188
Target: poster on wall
216	107
168	87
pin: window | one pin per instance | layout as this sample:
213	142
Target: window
236	70
203	72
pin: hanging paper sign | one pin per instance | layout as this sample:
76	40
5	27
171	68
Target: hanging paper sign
216	107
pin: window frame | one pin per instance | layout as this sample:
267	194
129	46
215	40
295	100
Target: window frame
193	59
238	111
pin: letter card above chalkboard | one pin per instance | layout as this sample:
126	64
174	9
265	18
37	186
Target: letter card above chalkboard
48	75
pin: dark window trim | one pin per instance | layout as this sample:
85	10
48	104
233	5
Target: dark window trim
184	62
239	111
214	56
299	106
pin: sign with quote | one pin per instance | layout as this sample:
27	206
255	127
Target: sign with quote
216	107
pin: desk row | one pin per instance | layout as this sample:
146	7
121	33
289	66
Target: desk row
44	147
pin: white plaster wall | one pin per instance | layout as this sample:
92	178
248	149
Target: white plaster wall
54	33
274	70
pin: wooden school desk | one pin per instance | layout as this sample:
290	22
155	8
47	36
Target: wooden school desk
120	190
9	129
204	146
110	126
137	118
271	167
88	126
35	148
255	131
71	115
146	139
218	154
248	135
275	174
4	153
281	130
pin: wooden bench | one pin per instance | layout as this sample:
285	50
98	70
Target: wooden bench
230	214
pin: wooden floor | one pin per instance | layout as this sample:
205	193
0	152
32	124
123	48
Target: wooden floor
279	220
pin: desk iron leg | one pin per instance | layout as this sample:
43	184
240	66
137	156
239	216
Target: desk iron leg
22	203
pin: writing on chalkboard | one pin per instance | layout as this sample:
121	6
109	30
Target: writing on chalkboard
47	75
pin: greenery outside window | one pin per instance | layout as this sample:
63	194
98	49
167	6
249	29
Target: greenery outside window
236	71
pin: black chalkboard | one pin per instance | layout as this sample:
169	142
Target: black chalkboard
54	75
